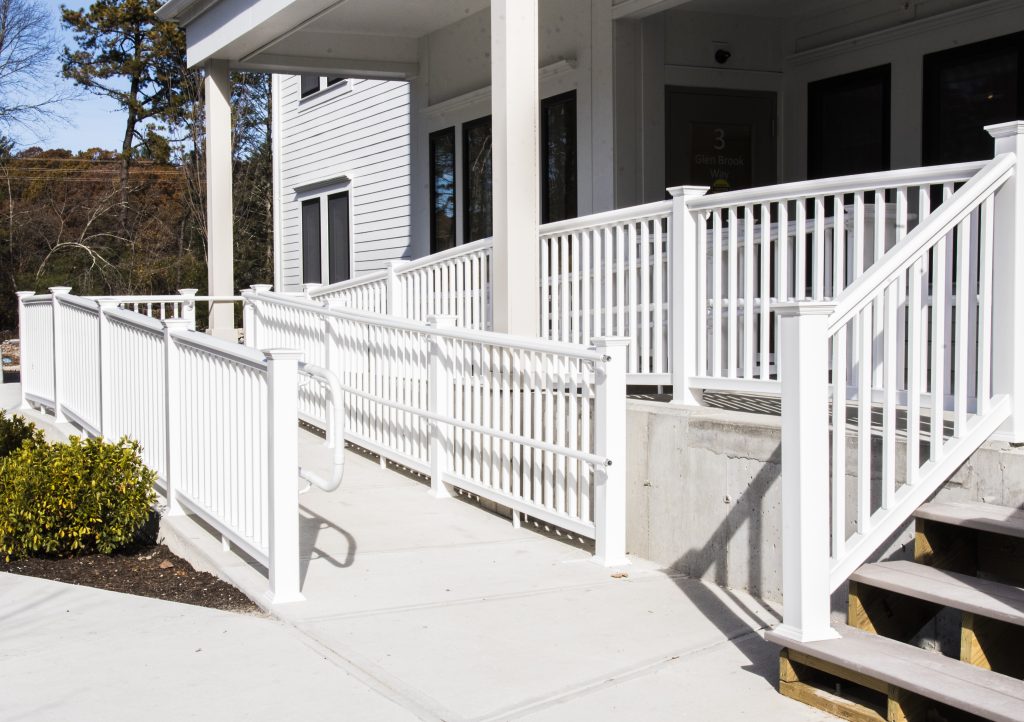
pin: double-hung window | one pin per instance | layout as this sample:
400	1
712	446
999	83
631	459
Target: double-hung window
442	190
326	220
312	84
478	206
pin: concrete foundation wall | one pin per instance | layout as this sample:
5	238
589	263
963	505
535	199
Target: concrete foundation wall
704	493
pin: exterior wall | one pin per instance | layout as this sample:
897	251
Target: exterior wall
378	132
358	129
782	55
703	493
454	88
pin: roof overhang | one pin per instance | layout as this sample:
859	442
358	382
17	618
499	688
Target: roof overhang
358	38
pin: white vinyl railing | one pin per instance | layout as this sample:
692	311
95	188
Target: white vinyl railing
910	346
456	282
608	275
531	424
216	421
791	242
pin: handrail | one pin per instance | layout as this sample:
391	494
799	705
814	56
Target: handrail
166	298
488	337
859	293
85	304
448	253
841	184
213	345
606	218
335	436
135	319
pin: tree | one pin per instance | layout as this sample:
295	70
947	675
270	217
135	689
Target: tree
28	94
125	53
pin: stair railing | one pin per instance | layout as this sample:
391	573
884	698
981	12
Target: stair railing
905	355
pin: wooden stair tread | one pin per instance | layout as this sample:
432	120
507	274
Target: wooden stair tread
928	674
983	597
983	517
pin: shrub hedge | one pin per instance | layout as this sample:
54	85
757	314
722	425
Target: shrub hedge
65	499
15	431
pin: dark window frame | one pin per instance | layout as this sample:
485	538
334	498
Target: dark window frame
310	260
449	135
304	91
546	103
877	75
934	63
467	128
342	265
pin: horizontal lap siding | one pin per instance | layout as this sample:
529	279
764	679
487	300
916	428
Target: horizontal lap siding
362	134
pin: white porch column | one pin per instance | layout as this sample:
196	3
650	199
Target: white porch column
515	107
1008	283
219	230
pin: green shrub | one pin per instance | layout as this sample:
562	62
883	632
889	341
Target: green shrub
66	499
15	431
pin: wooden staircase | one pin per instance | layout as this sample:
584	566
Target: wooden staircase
966	577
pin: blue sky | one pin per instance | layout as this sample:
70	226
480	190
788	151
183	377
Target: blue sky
93	121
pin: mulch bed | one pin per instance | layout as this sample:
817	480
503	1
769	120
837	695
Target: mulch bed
149	570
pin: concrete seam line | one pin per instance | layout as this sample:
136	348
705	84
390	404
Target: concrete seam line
377	679
617	678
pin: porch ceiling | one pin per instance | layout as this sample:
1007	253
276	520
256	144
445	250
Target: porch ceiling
370	38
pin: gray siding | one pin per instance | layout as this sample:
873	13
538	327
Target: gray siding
360	131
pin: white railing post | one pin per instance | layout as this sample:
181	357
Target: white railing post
188	305
684	307
251	313
393	290
22	295
610	442
282	387
172	407
106	403
58	351
1008	283
806	595
439	389
308	289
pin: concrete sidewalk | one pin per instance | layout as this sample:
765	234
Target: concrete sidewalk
435	609
76	653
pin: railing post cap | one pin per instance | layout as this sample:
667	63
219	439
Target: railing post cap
261	287
283	354
610	341
60	289
1006	130
24	294
441	321
188	291
106	302
687	191
173	324
804	308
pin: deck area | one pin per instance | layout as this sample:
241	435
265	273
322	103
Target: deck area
450	612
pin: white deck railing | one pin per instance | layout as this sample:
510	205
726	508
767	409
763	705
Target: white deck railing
608	275
456	282
908	334
535	425
796	241
217	422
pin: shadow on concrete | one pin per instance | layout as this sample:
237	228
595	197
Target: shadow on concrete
310	525
696	564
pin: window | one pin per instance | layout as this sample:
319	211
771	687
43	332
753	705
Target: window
476	161
308	84
558	157
965	89
326	232
442	190
338	238
312	84
848	123
311	272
